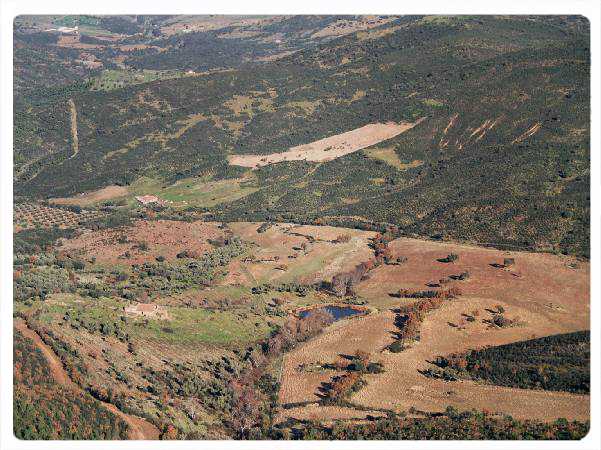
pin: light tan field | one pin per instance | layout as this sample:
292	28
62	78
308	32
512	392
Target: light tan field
163	237
314	412
368	333
548	294
329	148
343	26
90	198
310	262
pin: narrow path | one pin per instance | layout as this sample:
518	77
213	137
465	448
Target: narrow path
139	429
74	137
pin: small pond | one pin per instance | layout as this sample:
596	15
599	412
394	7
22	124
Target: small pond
339	312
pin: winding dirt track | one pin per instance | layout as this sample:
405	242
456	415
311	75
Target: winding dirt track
139	429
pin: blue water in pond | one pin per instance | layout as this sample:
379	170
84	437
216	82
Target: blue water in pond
339	312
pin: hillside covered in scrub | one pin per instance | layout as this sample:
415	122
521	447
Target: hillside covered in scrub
500	153
301	227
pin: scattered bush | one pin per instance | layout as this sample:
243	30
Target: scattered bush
451	257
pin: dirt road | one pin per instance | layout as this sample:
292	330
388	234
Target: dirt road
74	138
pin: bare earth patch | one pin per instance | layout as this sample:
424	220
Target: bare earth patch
328	148
163	238
90	198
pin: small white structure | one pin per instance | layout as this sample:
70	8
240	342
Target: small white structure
149	199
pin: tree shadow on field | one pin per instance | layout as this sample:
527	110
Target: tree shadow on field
323	389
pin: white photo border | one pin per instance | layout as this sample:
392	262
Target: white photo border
591	9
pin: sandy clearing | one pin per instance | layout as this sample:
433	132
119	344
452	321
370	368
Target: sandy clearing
139	429
90	198
329	148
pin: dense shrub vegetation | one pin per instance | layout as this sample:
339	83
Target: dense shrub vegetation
451	425
45	410
557	363
462	185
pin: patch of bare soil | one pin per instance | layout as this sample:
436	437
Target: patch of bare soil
127	245
90	198
328	148
545	294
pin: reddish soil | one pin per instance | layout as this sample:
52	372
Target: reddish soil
538	282
163	237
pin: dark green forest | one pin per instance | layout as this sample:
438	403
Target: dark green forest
557	363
